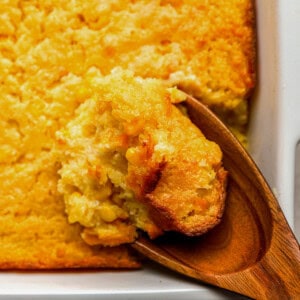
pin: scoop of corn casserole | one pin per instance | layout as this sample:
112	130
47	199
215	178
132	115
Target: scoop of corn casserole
131	159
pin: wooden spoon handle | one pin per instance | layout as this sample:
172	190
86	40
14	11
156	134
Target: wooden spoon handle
263	282
276	276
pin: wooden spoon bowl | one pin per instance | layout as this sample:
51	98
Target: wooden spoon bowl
252	251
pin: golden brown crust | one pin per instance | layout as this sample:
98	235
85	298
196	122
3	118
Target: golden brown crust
117	257
164	207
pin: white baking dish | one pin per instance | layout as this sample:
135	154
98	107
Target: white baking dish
274	132
275	121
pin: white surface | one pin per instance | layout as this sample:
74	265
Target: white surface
289	89
275	126
155	283
274	130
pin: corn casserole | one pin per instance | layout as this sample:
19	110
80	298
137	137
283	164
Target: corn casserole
49	51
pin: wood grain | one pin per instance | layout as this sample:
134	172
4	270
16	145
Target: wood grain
252	251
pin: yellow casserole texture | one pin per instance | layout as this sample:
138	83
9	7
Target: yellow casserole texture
48	51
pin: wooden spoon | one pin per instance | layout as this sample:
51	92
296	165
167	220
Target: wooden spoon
253	250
